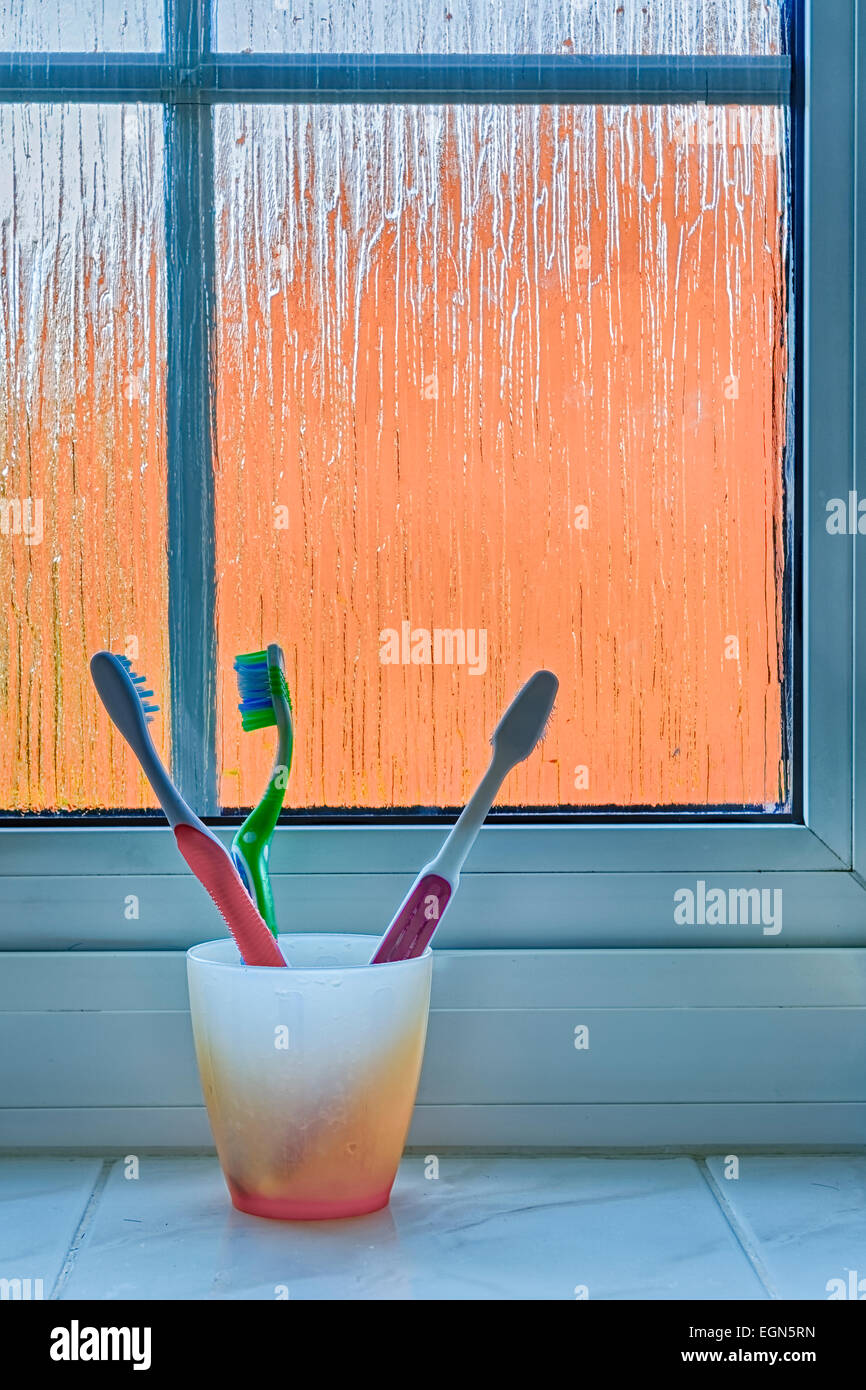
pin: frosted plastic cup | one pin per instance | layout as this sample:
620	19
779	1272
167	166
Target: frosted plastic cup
309	1074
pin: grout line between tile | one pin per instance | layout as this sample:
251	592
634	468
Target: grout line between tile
740	1232
81	1229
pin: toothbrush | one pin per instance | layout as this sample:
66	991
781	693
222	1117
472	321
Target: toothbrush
125	698
521	727
265	701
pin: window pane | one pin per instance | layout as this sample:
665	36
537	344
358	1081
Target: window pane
80	26
518	376
501	26
82	473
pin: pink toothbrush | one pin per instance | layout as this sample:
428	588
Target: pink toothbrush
521	727
122	693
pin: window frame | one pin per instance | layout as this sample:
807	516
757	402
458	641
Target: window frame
600	883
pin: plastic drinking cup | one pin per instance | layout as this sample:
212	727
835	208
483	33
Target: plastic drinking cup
309	1074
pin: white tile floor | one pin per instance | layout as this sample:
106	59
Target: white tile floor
543	1227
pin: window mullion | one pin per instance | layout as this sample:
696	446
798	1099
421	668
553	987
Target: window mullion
189	411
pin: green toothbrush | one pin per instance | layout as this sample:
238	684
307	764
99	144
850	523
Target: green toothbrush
265	701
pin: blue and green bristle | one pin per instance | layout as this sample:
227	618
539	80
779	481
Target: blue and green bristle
258	685
144	695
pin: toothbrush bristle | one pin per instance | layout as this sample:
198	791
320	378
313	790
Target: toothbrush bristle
144	694
256	705
527	719
546	730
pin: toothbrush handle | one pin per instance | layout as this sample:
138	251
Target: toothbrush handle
421	911
417	919
213	868
452	856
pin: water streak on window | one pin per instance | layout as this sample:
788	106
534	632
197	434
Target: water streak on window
82	471
501	26
519	377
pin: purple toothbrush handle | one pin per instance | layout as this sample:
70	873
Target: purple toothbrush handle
415	923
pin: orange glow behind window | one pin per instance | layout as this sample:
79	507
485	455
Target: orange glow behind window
519	372
82	468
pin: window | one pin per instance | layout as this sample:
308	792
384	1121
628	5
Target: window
494	384
82	438
508	323
518	374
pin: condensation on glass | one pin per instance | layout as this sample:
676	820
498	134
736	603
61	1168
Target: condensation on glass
80	26
501	26
500	388
82	470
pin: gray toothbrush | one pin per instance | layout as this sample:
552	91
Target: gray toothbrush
521	727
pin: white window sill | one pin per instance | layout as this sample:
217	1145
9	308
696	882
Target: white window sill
528	1227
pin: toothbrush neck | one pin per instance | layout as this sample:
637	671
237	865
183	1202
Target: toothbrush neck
283	756
452	856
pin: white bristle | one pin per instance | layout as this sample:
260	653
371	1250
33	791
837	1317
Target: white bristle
526	720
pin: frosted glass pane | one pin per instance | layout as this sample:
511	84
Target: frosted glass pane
500	26
82	472
520	376
80	26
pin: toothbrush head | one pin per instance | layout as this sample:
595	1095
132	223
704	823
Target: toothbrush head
123	691
525	722
261	685
140	683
